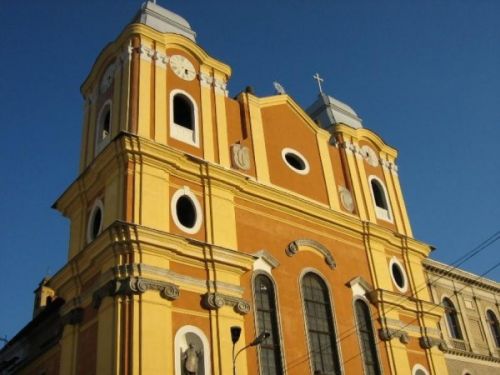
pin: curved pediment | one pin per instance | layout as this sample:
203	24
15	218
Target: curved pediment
306	244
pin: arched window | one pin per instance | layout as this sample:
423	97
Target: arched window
267	320
183	117
452	319
366	338
103	129
320	330
379	196
492	321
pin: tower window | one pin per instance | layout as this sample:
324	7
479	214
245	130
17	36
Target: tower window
366	337
183	117
266	314
186	210
452	319
103	128
379	195
398	275
95	221
492	321
183	111
320	330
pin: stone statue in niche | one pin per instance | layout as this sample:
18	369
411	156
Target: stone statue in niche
191	358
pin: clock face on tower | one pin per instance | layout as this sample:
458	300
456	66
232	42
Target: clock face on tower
182	67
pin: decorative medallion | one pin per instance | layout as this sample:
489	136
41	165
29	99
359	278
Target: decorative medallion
346	199
241	156
182	67
369	155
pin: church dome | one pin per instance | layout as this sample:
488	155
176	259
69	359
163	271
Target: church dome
328	111
164	20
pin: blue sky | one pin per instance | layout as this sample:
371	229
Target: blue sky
424	75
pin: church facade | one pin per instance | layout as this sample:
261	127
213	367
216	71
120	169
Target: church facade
194	213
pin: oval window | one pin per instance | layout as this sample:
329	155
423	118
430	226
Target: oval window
94	224
186	210
398	275
295	161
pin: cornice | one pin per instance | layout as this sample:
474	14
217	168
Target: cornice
389	298
433	266
467	354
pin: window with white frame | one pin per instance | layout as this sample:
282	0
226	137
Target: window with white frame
398	275
380	199
103	127
184	118
186	210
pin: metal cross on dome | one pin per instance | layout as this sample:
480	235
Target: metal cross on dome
319	79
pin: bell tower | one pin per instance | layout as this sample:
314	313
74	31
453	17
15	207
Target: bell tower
142	228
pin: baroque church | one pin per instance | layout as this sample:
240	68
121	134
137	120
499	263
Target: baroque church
225	235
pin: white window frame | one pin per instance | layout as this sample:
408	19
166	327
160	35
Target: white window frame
288	150
396	261
185	191
380	212
179	132
100	143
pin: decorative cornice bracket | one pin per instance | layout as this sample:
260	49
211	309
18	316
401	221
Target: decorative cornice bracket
134	285
387	334
214	301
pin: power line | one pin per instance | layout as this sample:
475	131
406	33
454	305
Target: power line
467	256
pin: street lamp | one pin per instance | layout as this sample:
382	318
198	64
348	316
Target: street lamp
235	336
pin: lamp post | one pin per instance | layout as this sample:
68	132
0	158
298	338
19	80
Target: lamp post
235	336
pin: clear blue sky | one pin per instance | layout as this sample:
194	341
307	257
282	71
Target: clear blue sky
424	75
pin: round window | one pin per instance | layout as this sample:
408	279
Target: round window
94	225
398	275
186	210
295	161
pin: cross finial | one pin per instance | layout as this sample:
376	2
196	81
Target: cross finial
319	79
